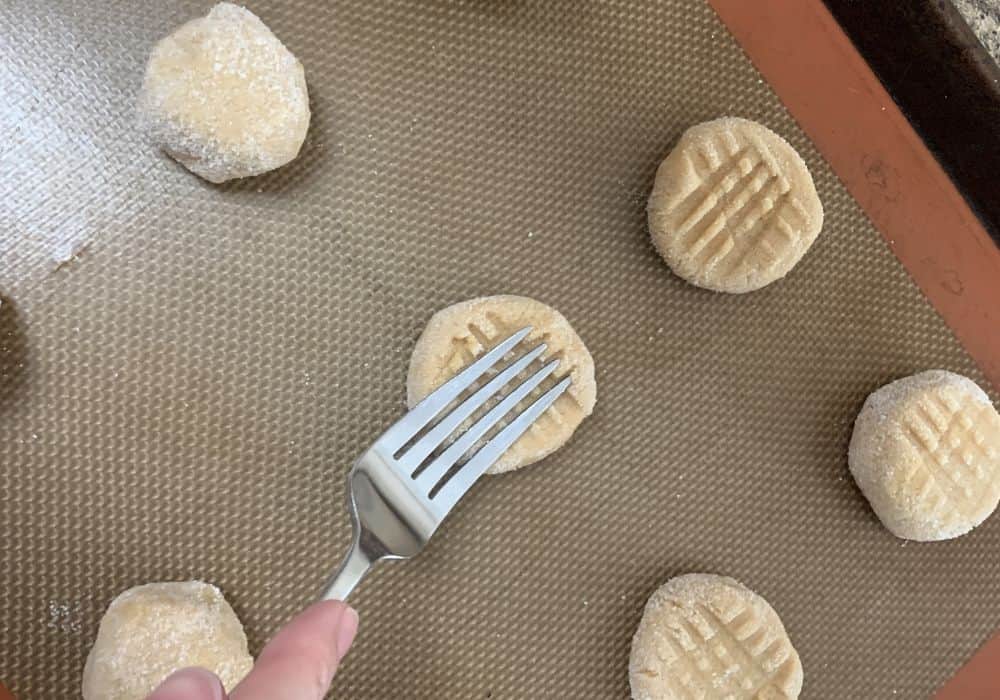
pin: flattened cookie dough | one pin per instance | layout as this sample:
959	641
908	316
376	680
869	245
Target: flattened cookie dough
455	336
150	631
926	453
224	97
710	637
733	207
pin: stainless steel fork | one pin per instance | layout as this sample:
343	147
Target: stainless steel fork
395	499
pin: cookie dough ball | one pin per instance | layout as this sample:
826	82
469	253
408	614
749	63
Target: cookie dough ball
459	334
224	97
926	454
707	636
150	631
734	207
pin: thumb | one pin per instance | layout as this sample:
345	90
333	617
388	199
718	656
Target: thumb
190	684
299	663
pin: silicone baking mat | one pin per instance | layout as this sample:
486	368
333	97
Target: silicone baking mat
187	371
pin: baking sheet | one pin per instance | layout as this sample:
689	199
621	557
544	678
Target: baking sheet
187	371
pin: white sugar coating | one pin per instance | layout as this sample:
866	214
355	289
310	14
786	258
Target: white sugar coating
711	637
224	97
150	631
925	452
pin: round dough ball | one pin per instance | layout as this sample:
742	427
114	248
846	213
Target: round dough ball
150	631
711	637
457	335
224	97
733	207
926	453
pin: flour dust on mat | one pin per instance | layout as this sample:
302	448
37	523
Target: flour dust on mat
457	335
224	97
150	631
926	453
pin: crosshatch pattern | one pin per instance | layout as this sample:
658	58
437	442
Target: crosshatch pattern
736	657
732	208
182	398
741	207
947	430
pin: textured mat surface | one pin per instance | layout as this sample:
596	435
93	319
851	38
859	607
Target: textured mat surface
182	398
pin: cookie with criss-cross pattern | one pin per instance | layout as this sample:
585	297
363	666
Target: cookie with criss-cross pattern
710	637
926	453
734	207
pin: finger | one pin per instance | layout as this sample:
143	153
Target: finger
299	663
190	684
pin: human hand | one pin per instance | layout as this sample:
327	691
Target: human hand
298	664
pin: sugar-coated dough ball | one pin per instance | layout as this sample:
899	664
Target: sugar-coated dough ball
710	637
150	631
224	97
733	207
458	334
926	453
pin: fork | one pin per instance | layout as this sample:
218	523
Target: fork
396	499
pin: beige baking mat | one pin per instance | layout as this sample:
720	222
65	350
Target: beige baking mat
187	371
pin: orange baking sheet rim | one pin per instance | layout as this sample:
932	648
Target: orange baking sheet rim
837	99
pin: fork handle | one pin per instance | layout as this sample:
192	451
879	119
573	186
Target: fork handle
354	567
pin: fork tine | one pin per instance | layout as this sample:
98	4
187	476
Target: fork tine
436	436
425	411
463	480
447	459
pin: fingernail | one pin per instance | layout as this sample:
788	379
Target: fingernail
346	630
189	684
